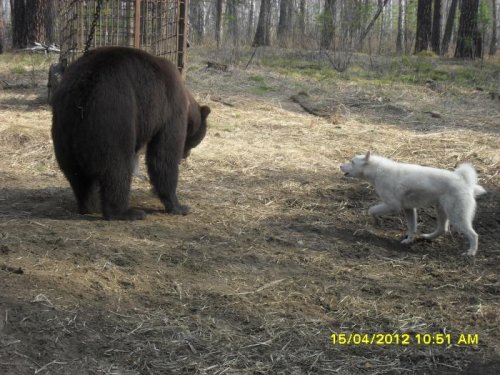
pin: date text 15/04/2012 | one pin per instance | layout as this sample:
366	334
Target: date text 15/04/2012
404	339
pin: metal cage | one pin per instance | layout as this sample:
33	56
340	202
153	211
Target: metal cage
156	26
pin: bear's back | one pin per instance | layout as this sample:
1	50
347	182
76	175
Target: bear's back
115	68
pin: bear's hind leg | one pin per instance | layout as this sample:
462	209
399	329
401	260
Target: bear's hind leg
115	191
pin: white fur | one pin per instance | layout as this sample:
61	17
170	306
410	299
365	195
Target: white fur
408	187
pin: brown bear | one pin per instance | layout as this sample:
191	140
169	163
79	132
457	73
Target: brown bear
112	102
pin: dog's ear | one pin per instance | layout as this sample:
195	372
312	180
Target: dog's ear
367	156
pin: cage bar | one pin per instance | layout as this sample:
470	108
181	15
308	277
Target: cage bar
156	26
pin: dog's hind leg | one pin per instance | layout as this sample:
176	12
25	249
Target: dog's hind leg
442	225
466	229
473	239
461	213
411	222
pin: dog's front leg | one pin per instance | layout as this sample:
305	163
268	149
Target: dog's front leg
411	222
379	210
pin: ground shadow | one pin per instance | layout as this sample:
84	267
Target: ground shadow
52	203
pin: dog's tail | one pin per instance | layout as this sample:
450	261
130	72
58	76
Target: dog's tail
469	175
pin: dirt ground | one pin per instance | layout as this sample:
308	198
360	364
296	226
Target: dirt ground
278	252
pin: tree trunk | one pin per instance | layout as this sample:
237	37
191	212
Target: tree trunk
19	31
399	38
382	32
197	19
250	21
263	32
218	22
372	22
407	44
424	25
449	27
290	12
232	20
50	22
328	24
283	24
469	42
301	24
35	17
232	13
493	44
30	22
1	27
436	27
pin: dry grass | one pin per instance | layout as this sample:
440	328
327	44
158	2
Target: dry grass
277	254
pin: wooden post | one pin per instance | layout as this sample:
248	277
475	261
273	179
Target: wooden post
182	28
137	24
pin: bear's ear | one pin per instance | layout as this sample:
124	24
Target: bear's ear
205	111
64	64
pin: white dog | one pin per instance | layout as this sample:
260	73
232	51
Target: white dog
409	186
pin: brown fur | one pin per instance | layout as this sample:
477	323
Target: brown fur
111	103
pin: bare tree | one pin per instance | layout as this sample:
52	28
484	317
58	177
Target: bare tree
372	22
469	41
1	27
197	19
328	24
283	24
424	25
409	35
400	35
382	30
436	27
32	21
218	22
493	43
36	11
291	18
19	31
250	20
449	26
301	24
233	31
263	32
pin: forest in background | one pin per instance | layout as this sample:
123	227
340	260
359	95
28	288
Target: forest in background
463	29
372	26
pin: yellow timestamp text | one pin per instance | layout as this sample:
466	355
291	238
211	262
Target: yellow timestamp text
404	339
